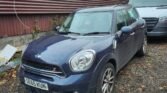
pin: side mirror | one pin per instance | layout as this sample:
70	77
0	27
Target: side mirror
126	29
56	29
141	22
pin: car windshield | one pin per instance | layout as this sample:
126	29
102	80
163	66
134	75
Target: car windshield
148	3
88	22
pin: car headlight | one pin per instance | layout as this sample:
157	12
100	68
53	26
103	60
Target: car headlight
82	61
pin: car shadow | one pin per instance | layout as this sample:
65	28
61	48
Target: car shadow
157	40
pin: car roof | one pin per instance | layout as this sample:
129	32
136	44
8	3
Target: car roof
104	8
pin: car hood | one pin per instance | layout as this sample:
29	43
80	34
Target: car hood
58	49
152	11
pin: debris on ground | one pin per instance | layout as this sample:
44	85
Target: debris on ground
10	65
10	58
6	54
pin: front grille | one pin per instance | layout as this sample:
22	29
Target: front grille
42	68
151	23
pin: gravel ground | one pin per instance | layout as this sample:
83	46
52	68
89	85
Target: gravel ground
147	74
142	75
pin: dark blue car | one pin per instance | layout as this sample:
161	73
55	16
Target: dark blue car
85	53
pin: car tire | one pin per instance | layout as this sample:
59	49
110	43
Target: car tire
106	79
143	50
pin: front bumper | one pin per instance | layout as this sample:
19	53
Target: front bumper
158	31
157	34
79	83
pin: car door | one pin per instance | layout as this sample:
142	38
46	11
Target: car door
139	29
125	42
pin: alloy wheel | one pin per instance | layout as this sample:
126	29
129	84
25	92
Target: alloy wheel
108	81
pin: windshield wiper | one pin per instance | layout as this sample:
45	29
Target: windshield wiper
69	33
74	33
162	5
95	33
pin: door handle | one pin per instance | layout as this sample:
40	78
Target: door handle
132	34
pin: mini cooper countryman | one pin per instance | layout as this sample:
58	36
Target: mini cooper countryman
85	53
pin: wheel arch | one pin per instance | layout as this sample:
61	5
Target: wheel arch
113	62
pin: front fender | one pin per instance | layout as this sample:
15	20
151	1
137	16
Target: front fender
104	60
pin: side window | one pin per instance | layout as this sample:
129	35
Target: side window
127	18
133	14
120	20
65	26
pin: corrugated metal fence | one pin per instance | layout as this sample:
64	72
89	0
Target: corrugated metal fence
18	17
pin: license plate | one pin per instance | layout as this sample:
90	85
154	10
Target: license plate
36	84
